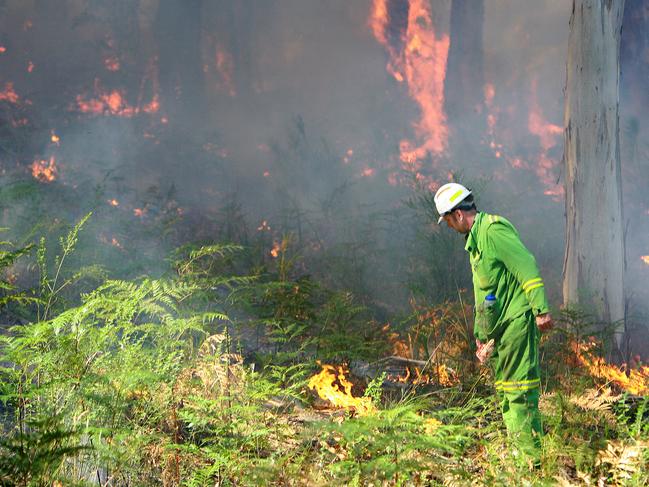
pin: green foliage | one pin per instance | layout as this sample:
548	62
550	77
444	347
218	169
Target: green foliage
397	444
8	291
34	455
149	381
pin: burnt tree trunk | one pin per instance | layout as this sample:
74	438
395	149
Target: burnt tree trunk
593	274
464	85
182	85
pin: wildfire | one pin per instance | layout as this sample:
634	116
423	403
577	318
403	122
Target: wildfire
113	202
139	212
45	171
9	94
413	374
277	247
548	135
112	63
3	49
55	139
115	103
332	385
635	381
225	68
645	259
421	62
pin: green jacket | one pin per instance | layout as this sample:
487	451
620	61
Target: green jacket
502	266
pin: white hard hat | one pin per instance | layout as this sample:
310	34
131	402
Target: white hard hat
448	197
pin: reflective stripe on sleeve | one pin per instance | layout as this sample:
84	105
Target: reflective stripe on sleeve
532	284
494	218
534	287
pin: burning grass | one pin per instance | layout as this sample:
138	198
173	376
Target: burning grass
631	380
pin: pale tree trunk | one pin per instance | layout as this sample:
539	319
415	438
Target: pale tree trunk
594	262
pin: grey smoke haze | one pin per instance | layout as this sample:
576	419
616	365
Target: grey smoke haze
261	103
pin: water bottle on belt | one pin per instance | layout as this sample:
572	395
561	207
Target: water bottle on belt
488	322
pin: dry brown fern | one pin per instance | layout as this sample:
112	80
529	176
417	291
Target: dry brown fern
598	399
620	460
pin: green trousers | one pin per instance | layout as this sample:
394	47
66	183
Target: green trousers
516	368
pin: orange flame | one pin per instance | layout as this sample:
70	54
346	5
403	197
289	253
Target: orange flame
275	250
55	138
225	68
440	373
422	64
45	171
113	202
645	259
112	63
139	212
115	103
549	136
3	49
635	381
9	94
332	385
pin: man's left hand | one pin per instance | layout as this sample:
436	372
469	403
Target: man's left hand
544	322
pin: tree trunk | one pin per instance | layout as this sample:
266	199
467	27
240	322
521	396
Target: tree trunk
182	86
593	274
464	85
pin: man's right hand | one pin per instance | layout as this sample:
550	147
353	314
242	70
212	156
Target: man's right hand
544	322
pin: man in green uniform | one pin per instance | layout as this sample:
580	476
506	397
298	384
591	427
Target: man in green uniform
511	308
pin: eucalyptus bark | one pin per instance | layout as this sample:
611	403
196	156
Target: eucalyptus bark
593	274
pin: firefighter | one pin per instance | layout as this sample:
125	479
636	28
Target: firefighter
511	308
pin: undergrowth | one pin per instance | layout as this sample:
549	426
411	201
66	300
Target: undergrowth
199	377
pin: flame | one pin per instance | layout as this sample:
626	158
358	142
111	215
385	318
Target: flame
116	243
440	373
55	138
45	171
30	67
275	250
3	49
115	103
635	381
112	63
549	136
332	385
368	172
421	63
225	68
139	212
9	94
113	202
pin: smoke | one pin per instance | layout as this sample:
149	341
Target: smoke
209	119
